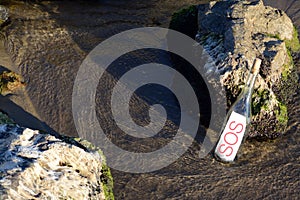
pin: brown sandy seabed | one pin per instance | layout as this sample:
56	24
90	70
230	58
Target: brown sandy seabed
265	169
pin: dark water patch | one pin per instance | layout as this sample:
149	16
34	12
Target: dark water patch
146	96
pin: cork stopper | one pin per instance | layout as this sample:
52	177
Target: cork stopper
256	66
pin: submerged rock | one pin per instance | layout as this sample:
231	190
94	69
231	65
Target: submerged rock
34	165
235	32
10	82
3	15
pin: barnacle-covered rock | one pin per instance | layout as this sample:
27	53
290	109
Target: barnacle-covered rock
233	33
35	165
3	15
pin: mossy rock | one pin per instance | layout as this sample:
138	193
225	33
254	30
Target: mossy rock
229	45
106	177
293	45
57	165
283	91
4	119
185	21
289	81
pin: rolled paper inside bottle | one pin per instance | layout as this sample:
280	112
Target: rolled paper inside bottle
256	66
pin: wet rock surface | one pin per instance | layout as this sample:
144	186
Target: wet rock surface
10	82
245	30
34	165
3	15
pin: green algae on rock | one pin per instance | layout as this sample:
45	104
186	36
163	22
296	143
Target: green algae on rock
247	29
106	177
293	44
37	165
185	20
4	119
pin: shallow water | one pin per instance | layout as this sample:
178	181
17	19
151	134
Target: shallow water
47	42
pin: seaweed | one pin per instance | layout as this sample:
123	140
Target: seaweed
185	21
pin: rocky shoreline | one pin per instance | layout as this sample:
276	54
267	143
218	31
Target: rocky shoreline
233	33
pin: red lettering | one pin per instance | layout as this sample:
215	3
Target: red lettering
239	124
231	133
222	152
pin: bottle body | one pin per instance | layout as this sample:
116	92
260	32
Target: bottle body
233	132
237	120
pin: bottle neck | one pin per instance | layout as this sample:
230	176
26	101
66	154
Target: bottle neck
243	103
249	87
251	80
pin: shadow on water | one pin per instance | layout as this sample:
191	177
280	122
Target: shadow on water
86	33
21	117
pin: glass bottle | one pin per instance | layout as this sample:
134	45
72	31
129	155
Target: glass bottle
238	120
